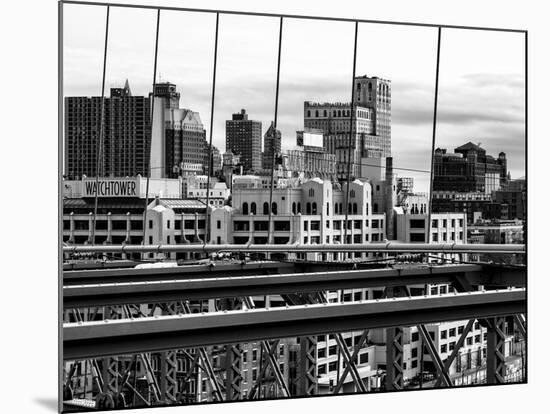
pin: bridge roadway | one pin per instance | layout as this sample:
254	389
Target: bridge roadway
162	285
150	334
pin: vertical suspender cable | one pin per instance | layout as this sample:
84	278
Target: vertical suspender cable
270	218
148	165
101	126
351	133
429	224
209	170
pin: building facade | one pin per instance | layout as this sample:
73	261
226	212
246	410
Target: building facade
469	169
244	137
375	93
126	135
272	147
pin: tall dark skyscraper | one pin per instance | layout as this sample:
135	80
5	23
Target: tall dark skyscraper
272	144
244	137
126	137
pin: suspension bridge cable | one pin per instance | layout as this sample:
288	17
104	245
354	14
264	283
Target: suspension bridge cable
351	129
207	222
101	126
270	209
148	170
430	195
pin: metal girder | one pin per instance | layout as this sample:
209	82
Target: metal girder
453	355
79	277
169	365
170	290
347	368
297	247
439	366
350	362
269	350
394	358
117	337
496	362
307	378
521	324
233	359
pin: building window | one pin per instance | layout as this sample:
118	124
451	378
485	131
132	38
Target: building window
253	208
314	208
435	237
294	208
311	192
364	358
150	224
274	208
219	224
414	337
299	207
443	334
375	207
452	332
443	348
328	209
266	208
434	224
308	208
245	208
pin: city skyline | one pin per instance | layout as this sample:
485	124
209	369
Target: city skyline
478	100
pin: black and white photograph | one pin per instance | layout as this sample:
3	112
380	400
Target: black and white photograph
283	208
259	207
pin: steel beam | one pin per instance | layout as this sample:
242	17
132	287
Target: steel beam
222	269
91	339
285	248
171	290
496	362
453	355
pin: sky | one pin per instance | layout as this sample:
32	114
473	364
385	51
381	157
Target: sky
481	77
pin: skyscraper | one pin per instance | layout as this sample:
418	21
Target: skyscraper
375	93
333	119
179	137
126	136
272	144
244	137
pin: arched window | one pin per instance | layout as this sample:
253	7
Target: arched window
311	192
339	114
375	207
354	208
358	86
245	208
274	208
316	114
253	208
314	208
309	114
294	208
299	207
325	113
335	208
334	114
266	208
328	209
308	208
